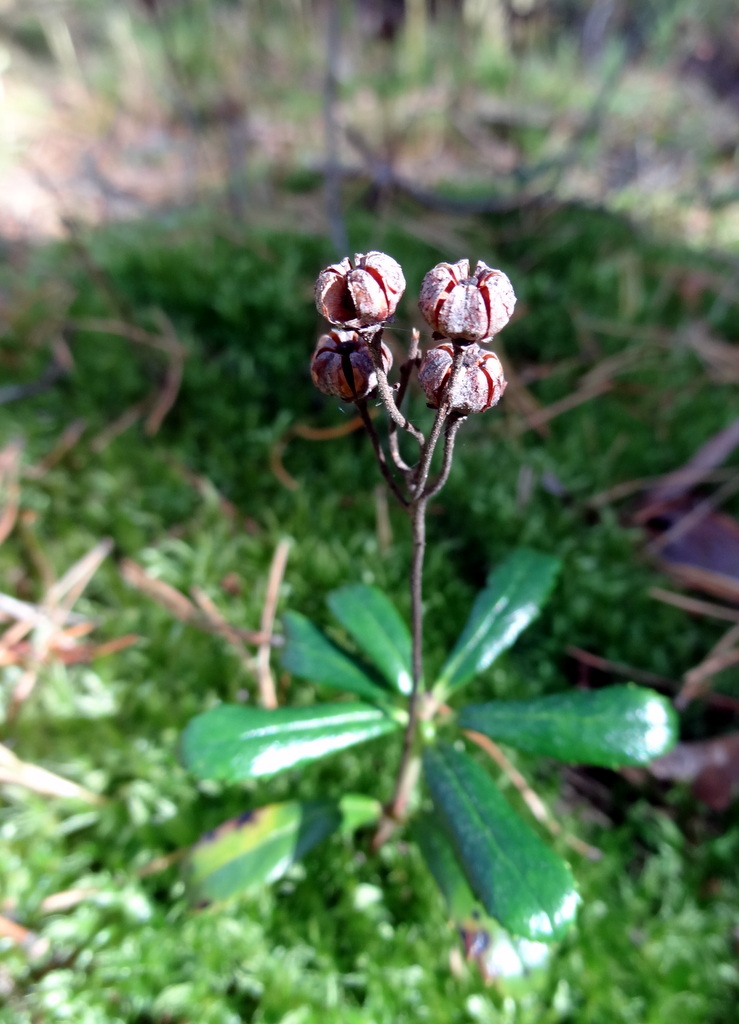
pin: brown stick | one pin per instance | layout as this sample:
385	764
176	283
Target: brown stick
120	425
222	626
532	800
9	469
694	605
33	943
15	772
691	519
66	442
267	692
549	412
698	680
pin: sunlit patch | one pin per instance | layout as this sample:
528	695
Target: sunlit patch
513	622
566	910
405	682
658	736
546	926
540	924
280	756
279	868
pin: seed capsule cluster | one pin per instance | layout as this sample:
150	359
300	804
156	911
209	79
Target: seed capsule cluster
479	386
363	295
466	308
342	365
465	311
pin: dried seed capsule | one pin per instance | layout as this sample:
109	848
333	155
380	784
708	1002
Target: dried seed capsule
463	308
479	386
361	296
342	365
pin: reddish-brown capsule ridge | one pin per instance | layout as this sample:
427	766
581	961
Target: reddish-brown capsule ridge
363	295
479	386
342	365
466	308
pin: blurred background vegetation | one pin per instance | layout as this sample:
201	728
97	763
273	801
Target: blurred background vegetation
173	174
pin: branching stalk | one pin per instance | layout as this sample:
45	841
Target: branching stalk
450	434
466	310
416	477
385	392
369	426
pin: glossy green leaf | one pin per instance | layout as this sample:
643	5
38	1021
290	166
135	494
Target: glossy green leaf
231	742
512	598
519	880
309	654
441	860
258	847
621	725
515	965
378	630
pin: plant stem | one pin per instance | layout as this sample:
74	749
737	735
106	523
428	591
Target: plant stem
386	392
421	473
416	478
408	771
369	426
418	528
450	433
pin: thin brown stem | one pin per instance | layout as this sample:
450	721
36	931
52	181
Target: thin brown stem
386	392
423	468
369	426
411	363
411	755
418	526
409	761
398	460
450	435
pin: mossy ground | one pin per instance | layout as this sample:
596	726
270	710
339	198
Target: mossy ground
349	936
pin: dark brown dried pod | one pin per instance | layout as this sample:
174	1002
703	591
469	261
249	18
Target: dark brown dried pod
479	386
342	365
466	308
363	295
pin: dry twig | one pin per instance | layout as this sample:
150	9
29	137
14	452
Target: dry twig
222	626
182	608
697	681
166	342
35	945
532	800
267	693
9	487
48	633
691	519
15	772
65	443
537	419
694	605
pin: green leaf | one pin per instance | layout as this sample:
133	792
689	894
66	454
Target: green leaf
520	882
621	725
231	742
258	847
441	860
515	965
512	598
378	630
357	811
309	654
